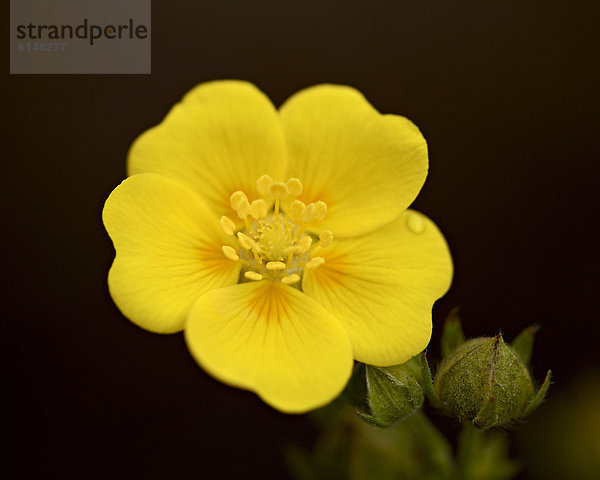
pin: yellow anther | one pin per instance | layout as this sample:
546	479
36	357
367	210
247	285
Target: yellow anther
230	253
278	190
308	213
295	209
263	184
258	209
275	266
304	243
320	210
236	199
227	225
243	209
315	262
245	241
294	187
290	279
326	238
253	276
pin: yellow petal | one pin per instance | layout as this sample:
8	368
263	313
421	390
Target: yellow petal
365	166
219	139
168	251
382	287
272	339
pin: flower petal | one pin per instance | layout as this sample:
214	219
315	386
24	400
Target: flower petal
272	339
366	166
220	138
168	247
382	287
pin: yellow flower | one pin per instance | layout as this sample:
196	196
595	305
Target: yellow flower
279	241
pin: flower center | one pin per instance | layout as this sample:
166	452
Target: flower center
273	243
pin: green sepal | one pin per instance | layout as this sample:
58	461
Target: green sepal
523	343
487	417
452	334
392	393
540	395
427	381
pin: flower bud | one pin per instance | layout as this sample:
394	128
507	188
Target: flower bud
392	393
484	381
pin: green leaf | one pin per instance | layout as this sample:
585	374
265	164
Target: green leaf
452	334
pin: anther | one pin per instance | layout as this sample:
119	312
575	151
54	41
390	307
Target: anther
263	184
315	262
304	243
258	209
236	199
245	241
290	279
294	187
230	253
278	190
227	225
308	213
253	276
320	210
295	209
326	238
275	266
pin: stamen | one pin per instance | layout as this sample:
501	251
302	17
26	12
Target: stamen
320	210
230	253
304	244
253	275
315	262
326	238
308	213
258	209
275	266
290	279
263	184
294	187
278	190
227	225
295	209
243	209
236	199
245	241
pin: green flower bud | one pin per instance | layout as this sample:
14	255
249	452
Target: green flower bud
484	381
391	393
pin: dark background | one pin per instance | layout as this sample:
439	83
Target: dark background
506	94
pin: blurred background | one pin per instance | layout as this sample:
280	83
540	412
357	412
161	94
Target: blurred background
506	94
